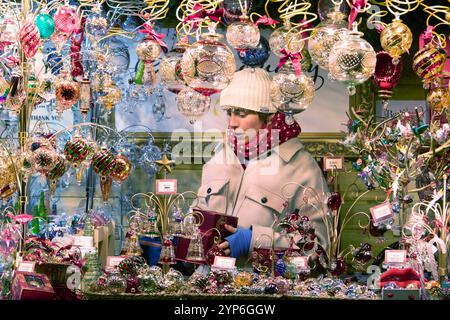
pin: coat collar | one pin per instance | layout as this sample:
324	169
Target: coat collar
286	151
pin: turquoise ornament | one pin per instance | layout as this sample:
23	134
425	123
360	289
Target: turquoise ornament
45	24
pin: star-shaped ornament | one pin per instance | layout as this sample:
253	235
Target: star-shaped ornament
165	163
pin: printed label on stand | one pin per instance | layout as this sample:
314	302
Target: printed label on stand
166	186
395	256
83	241
333	163
226	263
26	266
300	262
382	212
112	261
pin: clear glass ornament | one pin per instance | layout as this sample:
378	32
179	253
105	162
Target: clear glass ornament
97	24
176	222
285	38
352	60
290	93
208	65
195	251
243	34
192	104
167	255
115	282
189	225
148	50
325	36
170	68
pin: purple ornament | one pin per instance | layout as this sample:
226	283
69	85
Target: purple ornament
334	201
386	74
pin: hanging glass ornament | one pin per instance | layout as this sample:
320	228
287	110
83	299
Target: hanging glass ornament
105	187
9	31
151	225
428	62
112	97
324	7
386	74
325	35
291	93
122	170
104	162
285	38
232	9
256	57
167	256
438	98
119	57
85	97
77	151
243	34
208	65
29	39
195	253
66	19
170	68
97	24
67	92
56	172
59	39
8	182
150	154
148	50
45	24
176	222
396	39
190	224
192	104
43	159
352	60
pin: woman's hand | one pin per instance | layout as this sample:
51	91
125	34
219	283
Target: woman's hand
225	246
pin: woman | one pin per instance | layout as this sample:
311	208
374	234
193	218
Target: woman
262	170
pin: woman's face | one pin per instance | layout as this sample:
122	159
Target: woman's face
245	123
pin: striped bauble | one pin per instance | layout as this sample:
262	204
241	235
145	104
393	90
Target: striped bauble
58	170
104	162
29	39
429	61
76	150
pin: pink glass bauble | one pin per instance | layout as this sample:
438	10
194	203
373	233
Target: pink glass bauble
29	39
386	74
66	19
9	31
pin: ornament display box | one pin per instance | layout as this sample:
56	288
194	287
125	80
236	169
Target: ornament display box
32	286
400	294
56	272
211	220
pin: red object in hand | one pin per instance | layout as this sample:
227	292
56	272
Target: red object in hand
401	277
212	253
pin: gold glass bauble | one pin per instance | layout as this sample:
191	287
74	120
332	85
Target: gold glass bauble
149	50
122	170
192	104
396	39
8	181
438	99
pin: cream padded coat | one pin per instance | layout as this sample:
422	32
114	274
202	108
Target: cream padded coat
259	194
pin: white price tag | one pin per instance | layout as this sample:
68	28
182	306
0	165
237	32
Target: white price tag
333	163
382	212
226	263
26	266
395	256
166	186
83	241
112	261
300	262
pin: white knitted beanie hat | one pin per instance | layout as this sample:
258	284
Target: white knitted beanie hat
249	89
